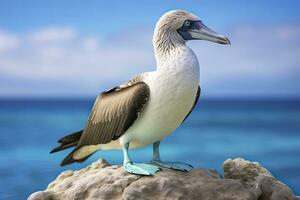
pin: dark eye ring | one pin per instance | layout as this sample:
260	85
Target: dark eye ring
187	23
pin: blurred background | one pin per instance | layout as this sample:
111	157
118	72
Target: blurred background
57	56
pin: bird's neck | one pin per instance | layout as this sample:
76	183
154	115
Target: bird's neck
165	43
172	53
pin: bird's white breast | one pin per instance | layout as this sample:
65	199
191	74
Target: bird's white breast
173	88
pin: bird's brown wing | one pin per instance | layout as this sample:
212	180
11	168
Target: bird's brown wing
114	112
195	102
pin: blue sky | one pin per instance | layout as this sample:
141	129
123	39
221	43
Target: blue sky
103	17
63	48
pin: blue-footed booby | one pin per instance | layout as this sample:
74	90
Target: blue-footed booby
151	105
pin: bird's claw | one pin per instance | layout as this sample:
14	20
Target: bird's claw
141	168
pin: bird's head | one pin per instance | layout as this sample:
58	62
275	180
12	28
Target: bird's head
182	26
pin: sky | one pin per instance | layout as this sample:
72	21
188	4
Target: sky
80	48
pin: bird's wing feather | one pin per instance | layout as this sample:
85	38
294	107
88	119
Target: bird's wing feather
114	112
195	102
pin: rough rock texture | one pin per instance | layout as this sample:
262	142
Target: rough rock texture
243	180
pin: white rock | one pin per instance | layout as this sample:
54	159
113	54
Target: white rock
243	180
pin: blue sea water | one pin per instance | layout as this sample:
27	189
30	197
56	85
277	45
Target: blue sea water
263	131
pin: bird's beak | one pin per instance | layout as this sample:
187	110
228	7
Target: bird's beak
199	31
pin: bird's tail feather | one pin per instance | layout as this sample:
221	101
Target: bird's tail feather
71	138
68	141
69	158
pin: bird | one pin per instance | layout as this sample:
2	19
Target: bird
150	106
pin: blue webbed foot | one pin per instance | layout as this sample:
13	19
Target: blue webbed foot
180	166
141	168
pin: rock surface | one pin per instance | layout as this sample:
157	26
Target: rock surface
243	180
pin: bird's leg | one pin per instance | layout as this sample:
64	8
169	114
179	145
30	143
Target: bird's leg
137	168
156	155
171	165
126	155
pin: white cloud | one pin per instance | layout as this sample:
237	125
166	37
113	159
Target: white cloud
261	61
8	41
52	35
90	43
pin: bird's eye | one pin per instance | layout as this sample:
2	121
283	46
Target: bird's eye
187	23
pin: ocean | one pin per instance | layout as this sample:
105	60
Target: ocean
265	131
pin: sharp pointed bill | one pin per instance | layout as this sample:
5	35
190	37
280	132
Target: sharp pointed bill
196	30
150	106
